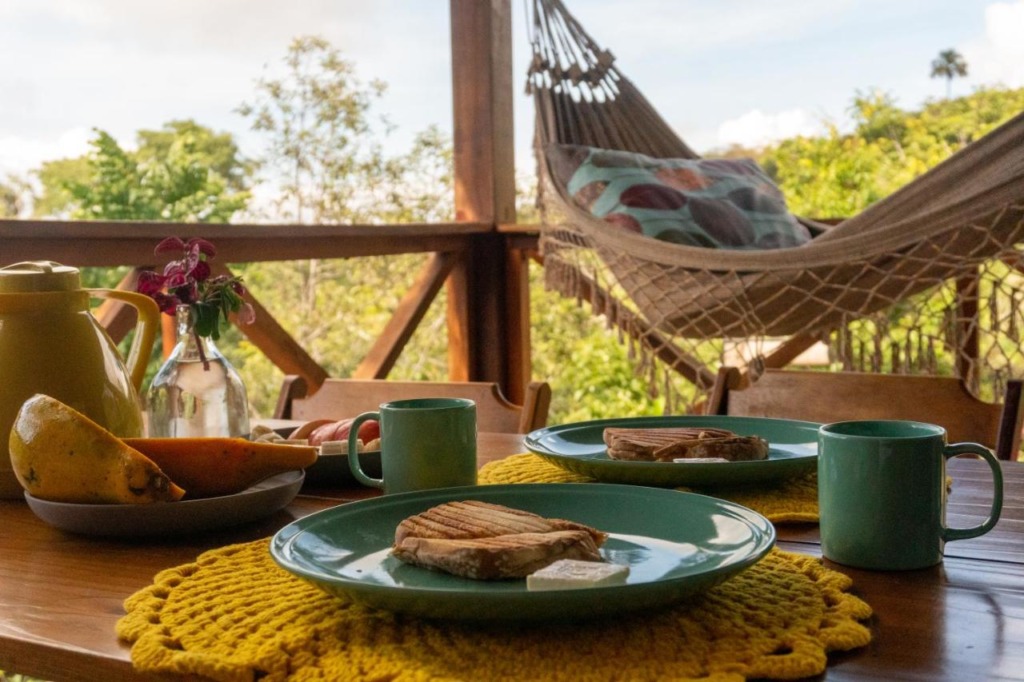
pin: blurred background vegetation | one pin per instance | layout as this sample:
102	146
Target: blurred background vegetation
324	163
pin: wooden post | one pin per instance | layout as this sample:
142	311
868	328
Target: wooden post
486	310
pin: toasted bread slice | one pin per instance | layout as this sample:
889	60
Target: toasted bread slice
493	558
667	444
474	519
490	541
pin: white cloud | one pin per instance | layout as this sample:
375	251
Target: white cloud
757	129
18	155
998	58
693	26
122	65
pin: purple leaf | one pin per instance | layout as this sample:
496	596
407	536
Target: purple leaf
169	244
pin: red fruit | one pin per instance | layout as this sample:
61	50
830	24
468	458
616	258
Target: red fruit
341	430
334	431
369	430
322	433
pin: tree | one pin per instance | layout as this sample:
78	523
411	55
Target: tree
217	152
182	173
321	145
840	174
15	194
324	159
949	65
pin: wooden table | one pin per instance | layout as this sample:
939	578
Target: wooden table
60	595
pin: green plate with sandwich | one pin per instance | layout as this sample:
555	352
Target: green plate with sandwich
675	544
580	448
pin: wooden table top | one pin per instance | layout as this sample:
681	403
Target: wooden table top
61	595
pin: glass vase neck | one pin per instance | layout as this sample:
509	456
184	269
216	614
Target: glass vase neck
183	316
190	346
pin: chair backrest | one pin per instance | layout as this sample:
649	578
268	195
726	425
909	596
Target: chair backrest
342	398
839	396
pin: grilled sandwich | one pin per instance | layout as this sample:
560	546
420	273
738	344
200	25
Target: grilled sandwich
667	444
491	542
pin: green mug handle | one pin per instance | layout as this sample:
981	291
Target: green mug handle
353	452
997	496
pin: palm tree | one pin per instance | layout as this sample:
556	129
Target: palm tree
949	64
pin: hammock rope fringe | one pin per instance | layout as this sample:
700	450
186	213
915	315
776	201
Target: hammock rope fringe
927	280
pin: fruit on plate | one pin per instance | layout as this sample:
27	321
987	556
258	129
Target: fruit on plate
328	431
61	455
208	467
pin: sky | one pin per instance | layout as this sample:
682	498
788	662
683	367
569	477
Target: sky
720	72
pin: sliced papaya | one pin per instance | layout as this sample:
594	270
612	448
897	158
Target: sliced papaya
208	467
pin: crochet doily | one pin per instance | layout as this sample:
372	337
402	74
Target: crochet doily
792	500
235	615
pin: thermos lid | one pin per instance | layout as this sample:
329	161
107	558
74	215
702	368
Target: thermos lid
38	275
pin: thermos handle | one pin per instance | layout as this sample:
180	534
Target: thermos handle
145	330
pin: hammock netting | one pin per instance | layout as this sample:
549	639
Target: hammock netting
927	280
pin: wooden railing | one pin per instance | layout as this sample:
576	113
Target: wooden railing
451	246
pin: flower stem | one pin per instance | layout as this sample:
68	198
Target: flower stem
202	351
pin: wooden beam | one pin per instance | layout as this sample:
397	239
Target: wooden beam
482	293
407	317
117	317
105	244
279	347
517	328
789	350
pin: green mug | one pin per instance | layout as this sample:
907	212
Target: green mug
882	493
425	443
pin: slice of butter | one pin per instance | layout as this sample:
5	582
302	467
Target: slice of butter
571	574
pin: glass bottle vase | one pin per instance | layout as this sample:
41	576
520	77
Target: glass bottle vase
196	392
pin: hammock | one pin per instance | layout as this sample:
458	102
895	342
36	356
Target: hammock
960	222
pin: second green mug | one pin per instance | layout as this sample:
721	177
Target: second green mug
425	443
882	493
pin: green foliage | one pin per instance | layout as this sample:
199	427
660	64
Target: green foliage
587	365
56	178
841	174
182	173
217	152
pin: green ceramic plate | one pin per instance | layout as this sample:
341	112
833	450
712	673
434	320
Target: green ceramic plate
793	450
675	543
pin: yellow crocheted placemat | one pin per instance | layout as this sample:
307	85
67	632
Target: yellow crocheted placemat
791	501
235	615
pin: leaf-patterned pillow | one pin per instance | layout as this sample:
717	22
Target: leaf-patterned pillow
715	203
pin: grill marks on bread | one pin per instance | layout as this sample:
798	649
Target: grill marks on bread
489	541
666	444
474	519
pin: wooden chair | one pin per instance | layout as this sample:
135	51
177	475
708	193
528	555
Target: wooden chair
342	398
839	396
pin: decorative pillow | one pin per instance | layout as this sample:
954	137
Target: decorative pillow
715	203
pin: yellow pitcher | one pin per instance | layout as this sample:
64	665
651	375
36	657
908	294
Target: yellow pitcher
50	343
